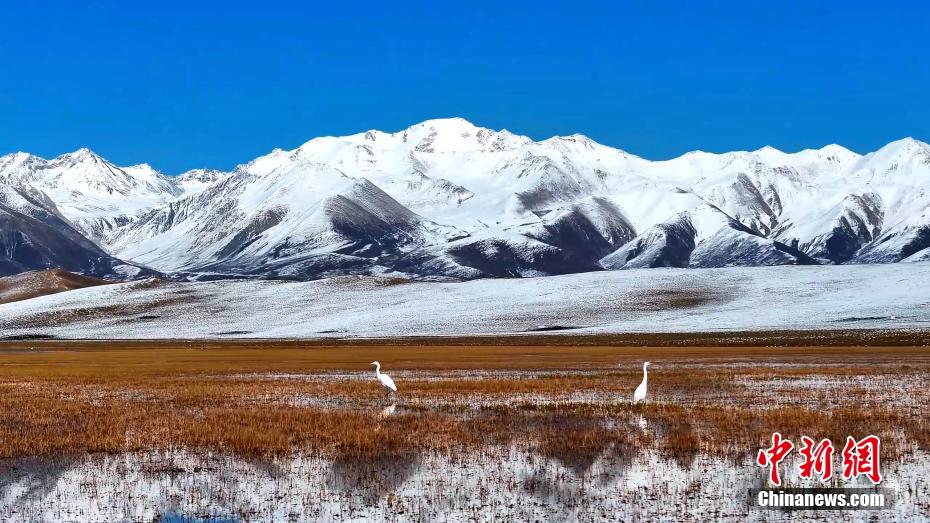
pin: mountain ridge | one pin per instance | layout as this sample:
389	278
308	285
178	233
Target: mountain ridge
446	198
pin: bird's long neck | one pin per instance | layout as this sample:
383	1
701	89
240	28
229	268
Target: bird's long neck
377	369
645	375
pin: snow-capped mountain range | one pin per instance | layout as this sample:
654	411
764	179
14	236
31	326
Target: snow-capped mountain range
445	198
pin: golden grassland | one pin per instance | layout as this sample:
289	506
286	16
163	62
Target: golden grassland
262	399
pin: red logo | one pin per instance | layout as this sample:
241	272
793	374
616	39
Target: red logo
774	455
819	460
860	458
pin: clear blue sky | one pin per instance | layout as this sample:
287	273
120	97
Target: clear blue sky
198	84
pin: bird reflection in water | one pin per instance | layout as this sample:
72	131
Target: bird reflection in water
388	411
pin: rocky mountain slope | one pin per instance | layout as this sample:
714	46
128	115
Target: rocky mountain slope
445	198
34	235
26	285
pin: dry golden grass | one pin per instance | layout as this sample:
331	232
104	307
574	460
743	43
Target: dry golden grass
571	403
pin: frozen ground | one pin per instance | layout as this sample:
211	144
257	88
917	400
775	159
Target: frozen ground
670	300
496	484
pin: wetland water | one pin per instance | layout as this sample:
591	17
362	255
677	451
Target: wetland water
476	433
493	483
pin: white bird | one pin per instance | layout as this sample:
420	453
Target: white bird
384	378
640	393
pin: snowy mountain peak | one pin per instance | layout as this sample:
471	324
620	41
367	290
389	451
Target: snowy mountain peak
457	135
85	172
82	155
445	197
444	135
144	171
200	175
141	167
454	123
831	154
448	127
837	150
909	141
767	149
904	146
94	194
579	145
196	180
17	158
19	166
899	156
81	152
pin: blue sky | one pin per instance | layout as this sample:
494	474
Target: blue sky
203	84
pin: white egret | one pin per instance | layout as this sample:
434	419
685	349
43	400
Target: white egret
384	378
640	393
